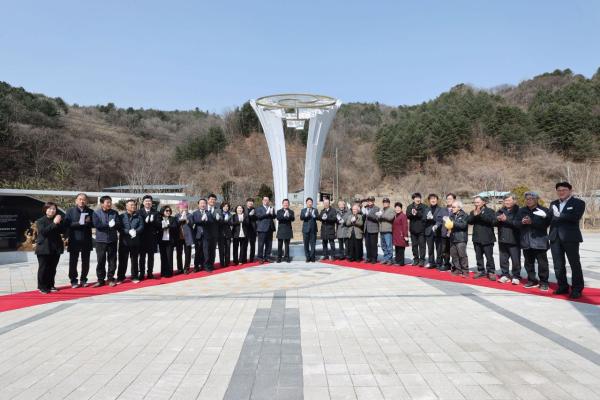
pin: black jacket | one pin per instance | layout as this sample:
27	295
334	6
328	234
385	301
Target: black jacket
430	220
460	230
264	222
566	226
284	226
245	226
310	220
508	232
149	239
128	222
328	226
250	222
172	227
416	222
226	225
483	226
534	236
48	239
80	236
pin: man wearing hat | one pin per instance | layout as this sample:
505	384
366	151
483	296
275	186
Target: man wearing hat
371	229
386	219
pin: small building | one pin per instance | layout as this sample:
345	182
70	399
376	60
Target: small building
153	190
297	197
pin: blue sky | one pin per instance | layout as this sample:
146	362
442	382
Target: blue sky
217	54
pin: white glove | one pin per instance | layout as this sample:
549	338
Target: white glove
147	218
151	217
251	212
183	217
218	217
445	218
540	213
286	213
339	218
132	233
429	215
556	211
111	223
270	210
226	217
353	219
379	213
324	217
165	223
434	228
204	217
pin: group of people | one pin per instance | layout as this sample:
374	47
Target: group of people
438	235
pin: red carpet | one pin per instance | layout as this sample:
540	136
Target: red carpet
34	298
590	295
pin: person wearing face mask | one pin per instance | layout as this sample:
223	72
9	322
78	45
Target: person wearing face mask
328	219
149	238
533	221
131	226
354	222
48	246
184	240
107	225
341	234
483	220
241	227
565	237
285	217
265	226
308	216
225	234
78	221
416	213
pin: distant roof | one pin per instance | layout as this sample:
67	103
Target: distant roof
147	187
492	193
69	193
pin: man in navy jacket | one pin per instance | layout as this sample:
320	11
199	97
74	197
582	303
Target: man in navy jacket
565	237
106	222
264	229
308	216
78	221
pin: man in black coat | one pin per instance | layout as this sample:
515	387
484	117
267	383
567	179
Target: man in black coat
149	237
483	220
130	232
441	216
308	216
328	218
565	237
457	226
49	246
107	223
265	226
225	234
285	217
416	213
250	224
371	229
211	229
197	221
78	221
533	221
509	241
432	235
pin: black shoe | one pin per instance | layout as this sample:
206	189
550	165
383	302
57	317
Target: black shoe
575	294
112	283
83	283
44	291
196	269
99	284
187	271
287	260
479	274
544	286
531	284
444	268
324	258
431	266
150	276
561	291
492	277
74	285
279	260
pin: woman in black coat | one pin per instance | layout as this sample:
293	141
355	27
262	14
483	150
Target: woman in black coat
225	234
240	232
166	241
49	246
285	217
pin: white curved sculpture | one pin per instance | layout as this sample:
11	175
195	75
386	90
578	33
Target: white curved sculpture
295	110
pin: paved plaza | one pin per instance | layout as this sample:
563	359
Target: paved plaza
292	331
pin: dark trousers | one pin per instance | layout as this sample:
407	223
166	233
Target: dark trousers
265	244
486	250
541	256
399	254
239	256
460	261
328	244
342	248
132	253
200	249
47	270
106	252
182	249
252	247
281	243
512	253
209	257
571	249
418	248
310	242
166	258
434	246
444	253
355	248
143	254
371	245
224	251
85	265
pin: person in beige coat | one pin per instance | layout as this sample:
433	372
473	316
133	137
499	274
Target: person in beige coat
386	218
354	223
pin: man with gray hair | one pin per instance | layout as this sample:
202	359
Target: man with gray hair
457	225
483	220
533	221
508	241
